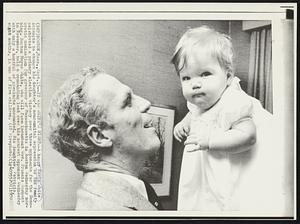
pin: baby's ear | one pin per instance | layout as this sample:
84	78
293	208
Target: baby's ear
229	78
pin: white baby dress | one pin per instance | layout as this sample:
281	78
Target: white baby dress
223	183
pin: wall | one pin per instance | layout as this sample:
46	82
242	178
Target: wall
138	53
241	45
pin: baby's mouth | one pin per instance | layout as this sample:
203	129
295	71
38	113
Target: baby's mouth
198	95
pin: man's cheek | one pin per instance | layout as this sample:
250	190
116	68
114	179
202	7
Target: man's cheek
132	122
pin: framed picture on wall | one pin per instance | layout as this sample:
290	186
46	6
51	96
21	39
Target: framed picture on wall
157	169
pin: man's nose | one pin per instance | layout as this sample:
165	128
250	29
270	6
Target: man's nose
143	104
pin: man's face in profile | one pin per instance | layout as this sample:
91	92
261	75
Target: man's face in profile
132	130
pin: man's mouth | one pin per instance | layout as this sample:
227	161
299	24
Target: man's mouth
148	124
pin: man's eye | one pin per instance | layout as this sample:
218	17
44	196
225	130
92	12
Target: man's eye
185	78
128	101
204	74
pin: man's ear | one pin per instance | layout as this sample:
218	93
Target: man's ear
97	136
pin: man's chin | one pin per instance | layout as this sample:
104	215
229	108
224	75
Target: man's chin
157	146
154	146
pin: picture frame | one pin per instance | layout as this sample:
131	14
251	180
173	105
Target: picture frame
157	169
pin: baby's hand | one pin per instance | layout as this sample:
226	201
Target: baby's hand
195	143
181	130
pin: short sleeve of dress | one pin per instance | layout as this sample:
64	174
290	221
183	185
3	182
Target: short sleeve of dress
236	107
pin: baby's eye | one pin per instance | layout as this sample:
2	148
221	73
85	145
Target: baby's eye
185	78
204	74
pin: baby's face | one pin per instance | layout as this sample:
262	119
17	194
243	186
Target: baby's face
203	80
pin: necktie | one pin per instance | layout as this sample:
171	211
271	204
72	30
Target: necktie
152	196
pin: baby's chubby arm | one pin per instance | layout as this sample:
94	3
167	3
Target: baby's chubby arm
238	139
182	129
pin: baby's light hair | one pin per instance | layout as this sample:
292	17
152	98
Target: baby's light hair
203	37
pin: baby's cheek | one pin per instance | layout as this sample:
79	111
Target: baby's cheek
185	91
187	95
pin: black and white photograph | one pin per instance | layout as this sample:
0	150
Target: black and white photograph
186	113
139	54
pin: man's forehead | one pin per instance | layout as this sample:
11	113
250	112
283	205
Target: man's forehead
102	81
104	86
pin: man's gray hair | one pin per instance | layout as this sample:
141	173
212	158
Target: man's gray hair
70	115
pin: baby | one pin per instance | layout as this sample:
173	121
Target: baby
219	125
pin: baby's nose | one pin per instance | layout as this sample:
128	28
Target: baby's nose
197	84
